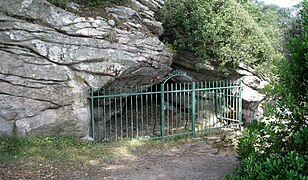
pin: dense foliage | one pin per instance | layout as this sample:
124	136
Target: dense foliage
279	148
223	32
272	151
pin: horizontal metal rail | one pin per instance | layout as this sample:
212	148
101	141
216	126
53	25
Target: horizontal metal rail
158	92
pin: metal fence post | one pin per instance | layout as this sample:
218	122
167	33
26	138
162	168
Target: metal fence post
162	108
193	99
216	100
240	104
92	115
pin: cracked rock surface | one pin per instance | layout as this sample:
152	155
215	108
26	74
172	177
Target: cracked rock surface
51	57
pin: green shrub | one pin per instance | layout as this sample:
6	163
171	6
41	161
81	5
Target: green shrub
219	32
250	135
290	166
269	151
278	149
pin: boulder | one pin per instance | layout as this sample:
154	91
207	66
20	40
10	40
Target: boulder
252	99
50	58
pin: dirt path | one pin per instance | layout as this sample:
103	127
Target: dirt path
191	160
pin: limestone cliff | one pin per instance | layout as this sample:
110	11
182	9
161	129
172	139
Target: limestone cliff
51	57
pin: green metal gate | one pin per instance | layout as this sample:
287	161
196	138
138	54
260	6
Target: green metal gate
164	110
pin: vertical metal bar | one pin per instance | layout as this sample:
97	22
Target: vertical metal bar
131	114
176	107
110	125
214	93
233	101
198	103
236	102
153	121
121	115
188	103
146	112
115	114
240	104
105	117
223	101
184	107
172	113
180	90
222	97
92	115
193	99
141	111
227	103
126	117
137	122
167	109
204	99
156	109
162	113
99	117
220	103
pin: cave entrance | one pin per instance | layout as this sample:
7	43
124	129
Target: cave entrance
168	109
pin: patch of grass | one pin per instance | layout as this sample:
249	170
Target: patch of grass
46	148
73	150
9	148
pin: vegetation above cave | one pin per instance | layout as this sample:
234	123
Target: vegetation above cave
224	33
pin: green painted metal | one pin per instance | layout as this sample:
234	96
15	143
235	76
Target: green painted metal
162	109
110	115
116	124
92	115
175	74
121	116
131	116
216	98
240	103
167	110
105	117
136	117
141	111
99	118
193	109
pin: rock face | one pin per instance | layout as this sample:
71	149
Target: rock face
252	99
51	57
